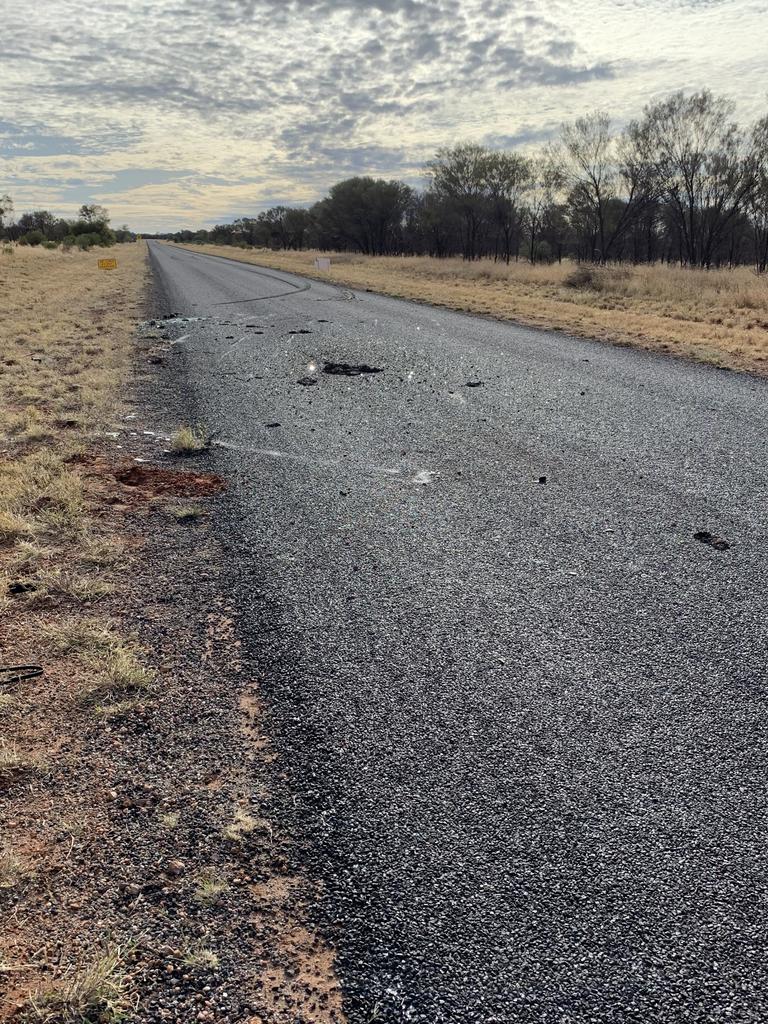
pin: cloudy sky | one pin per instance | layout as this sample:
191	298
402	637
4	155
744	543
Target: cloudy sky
181	113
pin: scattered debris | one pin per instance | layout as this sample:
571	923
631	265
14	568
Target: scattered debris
300	330
542	479
271	426
350	369
18	587
474	383
307	382
19	673
705	537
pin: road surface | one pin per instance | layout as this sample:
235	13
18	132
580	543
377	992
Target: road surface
520	708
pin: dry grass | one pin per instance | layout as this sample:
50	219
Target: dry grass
718	317
243	824
186	513
189	440
97	994
14	764
12	868
110	664
65	349
210	886
202	959
66	353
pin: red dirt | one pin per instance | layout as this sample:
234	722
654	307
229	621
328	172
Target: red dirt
167	481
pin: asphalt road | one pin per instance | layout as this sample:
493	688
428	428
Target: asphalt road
520	709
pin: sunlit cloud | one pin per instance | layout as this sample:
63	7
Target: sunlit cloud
184	113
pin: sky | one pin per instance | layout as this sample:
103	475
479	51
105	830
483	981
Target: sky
186	113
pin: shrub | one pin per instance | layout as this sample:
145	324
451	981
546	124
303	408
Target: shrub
585	276
32	238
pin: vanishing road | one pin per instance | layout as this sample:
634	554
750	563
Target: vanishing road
520	708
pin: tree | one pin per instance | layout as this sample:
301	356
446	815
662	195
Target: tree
6	208
708	172
364	213
547	179
93	214
758	200
460	177
38	220
587	163
508	177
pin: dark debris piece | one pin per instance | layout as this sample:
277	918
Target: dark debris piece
307	382
270	426
705	537
301	330
21	588
350	369
474	383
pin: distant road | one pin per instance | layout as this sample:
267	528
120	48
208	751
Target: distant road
520	708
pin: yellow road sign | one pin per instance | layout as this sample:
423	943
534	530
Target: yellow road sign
108	264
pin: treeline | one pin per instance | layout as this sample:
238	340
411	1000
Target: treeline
41	227
684	183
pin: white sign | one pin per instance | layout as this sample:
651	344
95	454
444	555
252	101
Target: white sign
322	263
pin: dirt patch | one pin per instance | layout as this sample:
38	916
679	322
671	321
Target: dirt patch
158	481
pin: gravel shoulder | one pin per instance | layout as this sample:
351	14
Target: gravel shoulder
143	877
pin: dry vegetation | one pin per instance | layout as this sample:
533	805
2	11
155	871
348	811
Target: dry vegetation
66	339
128	854
718	317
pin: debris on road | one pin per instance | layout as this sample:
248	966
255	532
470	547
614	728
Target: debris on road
350	369
307	382
474	383
705	537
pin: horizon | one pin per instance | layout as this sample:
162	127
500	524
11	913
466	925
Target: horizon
98	118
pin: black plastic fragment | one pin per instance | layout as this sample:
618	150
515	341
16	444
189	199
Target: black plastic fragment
21	588
350	369
705	537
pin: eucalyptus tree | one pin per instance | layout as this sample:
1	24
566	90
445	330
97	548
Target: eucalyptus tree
508	176
546	183
364	213
459	177
758	200
709	168
6	208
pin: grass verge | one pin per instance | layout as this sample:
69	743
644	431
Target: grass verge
66	352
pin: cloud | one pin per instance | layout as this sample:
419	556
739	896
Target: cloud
282	97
